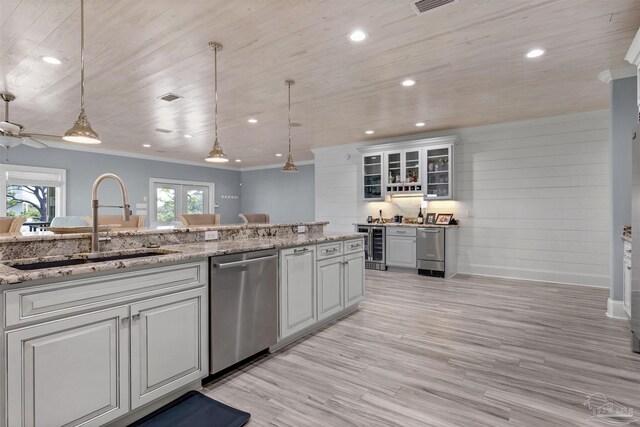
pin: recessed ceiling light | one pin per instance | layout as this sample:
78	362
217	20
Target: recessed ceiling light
357	36
238	160
186	135
535	53
368	132
278	155
51	60
253	120
420	124
146	145
408	82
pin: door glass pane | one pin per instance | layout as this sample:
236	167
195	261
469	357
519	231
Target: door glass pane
438	173
412	166
166	211
36	203
195	201
395	168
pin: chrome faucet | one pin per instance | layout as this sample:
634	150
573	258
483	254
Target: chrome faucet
95	239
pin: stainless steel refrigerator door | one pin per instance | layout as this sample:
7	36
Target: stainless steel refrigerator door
244	306
430	244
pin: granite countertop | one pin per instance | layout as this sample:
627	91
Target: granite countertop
167	254
396	224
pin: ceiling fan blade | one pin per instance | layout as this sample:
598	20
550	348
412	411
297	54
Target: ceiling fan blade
31	142
42	137
9	127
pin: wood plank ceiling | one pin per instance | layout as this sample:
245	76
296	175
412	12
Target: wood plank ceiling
467	60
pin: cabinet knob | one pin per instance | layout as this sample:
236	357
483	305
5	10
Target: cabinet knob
136	316
124	320
628	267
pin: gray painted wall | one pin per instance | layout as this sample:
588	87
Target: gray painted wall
84	167
285	197
623	112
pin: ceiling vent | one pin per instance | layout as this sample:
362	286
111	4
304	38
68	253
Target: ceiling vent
161	130
170	97
423	6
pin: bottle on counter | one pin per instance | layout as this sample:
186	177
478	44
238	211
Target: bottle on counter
381	220
420	217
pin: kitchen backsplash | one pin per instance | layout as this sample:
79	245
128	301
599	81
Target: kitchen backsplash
409	206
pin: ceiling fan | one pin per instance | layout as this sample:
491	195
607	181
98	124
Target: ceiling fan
11	134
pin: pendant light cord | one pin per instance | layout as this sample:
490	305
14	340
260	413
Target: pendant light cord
81	56
289	118
215	88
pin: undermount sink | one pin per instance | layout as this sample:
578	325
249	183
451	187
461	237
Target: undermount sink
89	260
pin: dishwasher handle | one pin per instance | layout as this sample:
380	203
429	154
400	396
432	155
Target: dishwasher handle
428	230
243	262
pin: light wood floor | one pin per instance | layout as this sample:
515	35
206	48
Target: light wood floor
467	351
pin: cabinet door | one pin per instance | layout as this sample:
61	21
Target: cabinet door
297	289
393	167
330	287
401	251
627	286
411	171
353	278
69	372
169	345
438	175
372	170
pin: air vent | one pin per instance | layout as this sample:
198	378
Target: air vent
161	130
423	6
170	97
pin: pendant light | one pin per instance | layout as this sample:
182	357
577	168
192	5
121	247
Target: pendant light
216	154
289	166
81	131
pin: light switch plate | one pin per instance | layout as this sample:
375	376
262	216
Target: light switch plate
211	235
302	229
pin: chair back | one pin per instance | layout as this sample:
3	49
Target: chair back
11	225
135	221
254	218
191	220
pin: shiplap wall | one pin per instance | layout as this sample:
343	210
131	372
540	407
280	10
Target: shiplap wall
537	189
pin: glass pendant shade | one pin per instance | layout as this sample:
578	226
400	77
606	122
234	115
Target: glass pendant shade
289	166
81	132
216	155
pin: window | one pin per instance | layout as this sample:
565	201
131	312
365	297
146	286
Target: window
170	199
37	194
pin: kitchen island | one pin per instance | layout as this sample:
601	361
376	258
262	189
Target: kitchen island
107	341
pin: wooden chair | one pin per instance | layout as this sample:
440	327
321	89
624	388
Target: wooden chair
255	218
202	220
135	221
11	225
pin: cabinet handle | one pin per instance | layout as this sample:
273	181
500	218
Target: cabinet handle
124	320
400	232
329	251
135	317
628	267
299	251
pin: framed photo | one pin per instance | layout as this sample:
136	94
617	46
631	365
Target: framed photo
430	218
444	219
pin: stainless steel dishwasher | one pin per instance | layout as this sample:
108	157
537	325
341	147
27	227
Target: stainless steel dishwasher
243	306
430	251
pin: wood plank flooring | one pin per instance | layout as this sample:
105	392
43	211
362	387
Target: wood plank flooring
468	351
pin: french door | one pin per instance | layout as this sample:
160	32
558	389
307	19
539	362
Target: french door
170	199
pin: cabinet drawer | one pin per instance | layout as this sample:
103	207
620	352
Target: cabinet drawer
401	231
352	246
328	250
37	303
627	249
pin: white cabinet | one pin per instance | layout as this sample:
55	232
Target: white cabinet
438	172
69	372
401	247
168	344
626	279
372	170
353	275
403	171
297	289
330	287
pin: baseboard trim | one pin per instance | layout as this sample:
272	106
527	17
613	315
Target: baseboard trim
615	309
591	280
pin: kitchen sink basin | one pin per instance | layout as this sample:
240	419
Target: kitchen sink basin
80	261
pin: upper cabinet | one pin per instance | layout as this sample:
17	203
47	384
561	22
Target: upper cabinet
414	167
438	176
372	169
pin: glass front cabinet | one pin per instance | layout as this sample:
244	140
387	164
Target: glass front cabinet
372	169
402	171
438	174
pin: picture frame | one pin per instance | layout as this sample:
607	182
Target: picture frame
430	218
444	219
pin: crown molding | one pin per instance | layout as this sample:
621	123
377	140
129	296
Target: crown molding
618	73
387	144
119	153
276	166
633	54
